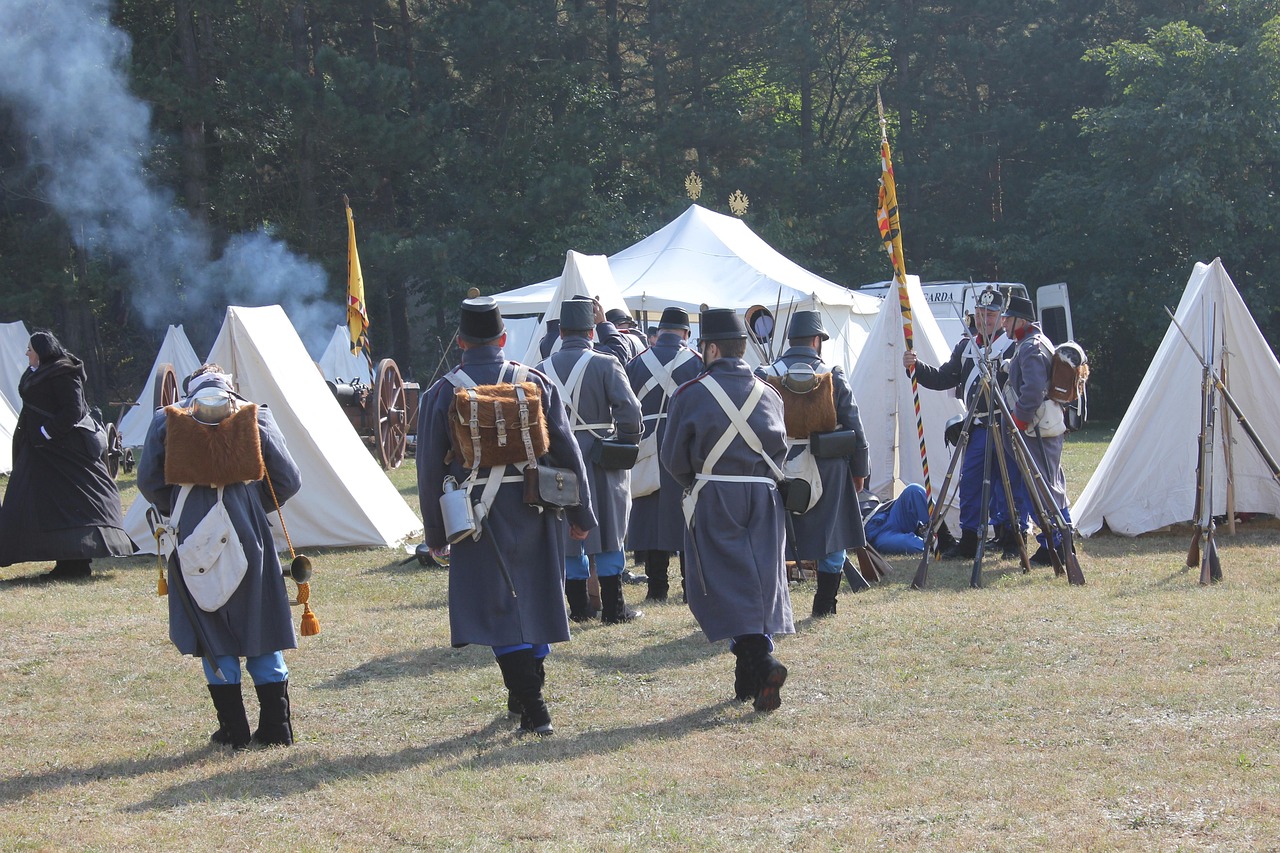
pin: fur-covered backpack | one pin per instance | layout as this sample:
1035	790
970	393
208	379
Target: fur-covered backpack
1068	378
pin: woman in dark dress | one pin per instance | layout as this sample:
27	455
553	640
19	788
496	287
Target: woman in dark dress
61	503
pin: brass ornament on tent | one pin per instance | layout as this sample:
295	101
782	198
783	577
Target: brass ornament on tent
299	570
693	186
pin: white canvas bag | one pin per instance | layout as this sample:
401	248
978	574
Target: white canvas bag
212	562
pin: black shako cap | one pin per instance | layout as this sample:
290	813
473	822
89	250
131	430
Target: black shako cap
577	316
617	315
806	324
722	324
1020	306
481	320
674	318
991	299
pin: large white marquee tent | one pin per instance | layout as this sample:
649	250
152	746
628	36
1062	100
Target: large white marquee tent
703	257
14	339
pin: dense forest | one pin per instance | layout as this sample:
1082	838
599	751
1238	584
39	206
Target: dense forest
160	158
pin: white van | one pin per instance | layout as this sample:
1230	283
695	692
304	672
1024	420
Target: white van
952	305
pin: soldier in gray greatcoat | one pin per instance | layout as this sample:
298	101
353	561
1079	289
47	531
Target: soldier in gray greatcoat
657	527
1027	389
506	588
600	406
834	524
255	622
734	540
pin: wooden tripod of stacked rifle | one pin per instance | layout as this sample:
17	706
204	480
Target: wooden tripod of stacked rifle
1204	550
1048	515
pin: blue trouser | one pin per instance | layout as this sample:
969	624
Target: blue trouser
264	669
608	563
894	530
540	650
971	469
1057	537
833	563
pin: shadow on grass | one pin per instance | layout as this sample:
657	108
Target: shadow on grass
652	657
415	663
15	788
494	745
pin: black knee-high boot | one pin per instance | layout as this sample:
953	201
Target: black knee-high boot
524	676
824	600
770	674
579	603
233	723
275	720
656	565
614	608
744	678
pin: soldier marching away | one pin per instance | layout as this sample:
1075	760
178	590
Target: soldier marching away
961	372
656	528
174	474
726	443
506	588
833	525
600	405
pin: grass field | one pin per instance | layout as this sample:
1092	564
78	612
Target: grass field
1139	712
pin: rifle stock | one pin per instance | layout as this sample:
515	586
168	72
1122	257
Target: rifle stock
1193	554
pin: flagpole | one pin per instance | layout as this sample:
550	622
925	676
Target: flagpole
891	234
357	315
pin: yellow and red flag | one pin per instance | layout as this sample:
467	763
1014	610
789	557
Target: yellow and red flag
891	234
357	316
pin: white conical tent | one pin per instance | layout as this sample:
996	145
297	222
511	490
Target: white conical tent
346	499
8	423
885	403
338	364
176	350
14	339
1147	477
584	275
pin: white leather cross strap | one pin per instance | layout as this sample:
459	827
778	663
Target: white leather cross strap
737	426
661	375
571	388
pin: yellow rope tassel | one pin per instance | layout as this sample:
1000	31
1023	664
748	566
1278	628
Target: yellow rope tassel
162	586
310	624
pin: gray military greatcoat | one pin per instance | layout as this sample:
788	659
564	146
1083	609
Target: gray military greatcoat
256	619
604	397
1027	388
835	521
737	581
656	521
482	606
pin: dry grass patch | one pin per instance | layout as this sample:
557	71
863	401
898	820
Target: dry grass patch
1138	713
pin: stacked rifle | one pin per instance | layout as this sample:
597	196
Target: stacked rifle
1000	424
1204	550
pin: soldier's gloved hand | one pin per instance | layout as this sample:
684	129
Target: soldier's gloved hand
577	533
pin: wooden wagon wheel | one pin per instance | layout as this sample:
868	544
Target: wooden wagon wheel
166	386
114	450
391	430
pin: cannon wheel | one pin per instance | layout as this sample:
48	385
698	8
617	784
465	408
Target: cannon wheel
391	432
114	450
166	387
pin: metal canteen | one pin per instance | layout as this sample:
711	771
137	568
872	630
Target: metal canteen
211	405
300	569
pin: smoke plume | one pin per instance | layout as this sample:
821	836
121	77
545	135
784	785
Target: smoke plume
63	75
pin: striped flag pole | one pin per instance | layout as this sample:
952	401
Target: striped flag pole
891	234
